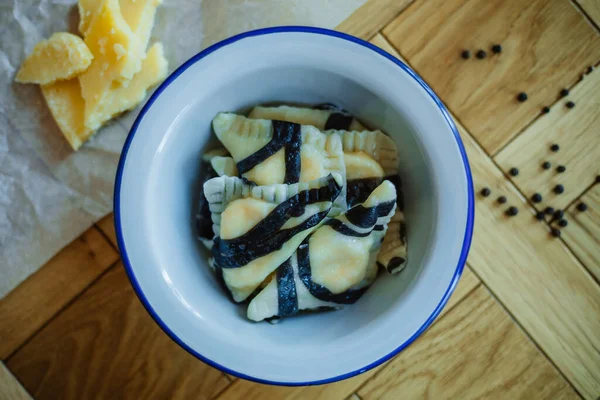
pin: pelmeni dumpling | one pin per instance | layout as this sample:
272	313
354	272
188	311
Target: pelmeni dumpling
257	228
334	265
322	117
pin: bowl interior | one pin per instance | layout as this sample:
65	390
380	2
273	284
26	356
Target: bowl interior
158	193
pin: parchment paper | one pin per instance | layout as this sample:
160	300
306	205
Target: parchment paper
49	195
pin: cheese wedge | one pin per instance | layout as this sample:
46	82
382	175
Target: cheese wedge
117	58
67	107
139	15
61	57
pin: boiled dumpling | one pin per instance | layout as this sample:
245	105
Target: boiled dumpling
224	166
257	228
323	117
332	266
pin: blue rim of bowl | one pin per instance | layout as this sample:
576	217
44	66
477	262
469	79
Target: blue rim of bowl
267	31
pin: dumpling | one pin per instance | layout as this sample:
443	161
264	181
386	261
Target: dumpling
224	166
269	152
323	117
334	265
257	228
393	254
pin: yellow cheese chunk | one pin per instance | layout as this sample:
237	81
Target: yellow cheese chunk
139	15
117	57
61	57
67	107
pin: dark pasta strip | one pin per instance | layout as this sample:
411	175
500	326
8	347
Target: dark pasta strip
320	291
345	230
358	190
364	217
286	290
338	121
203	220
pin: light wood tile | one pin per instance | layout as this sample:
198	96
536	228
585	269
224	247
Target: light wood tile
105	345
546	46
107	226
380	41
576	131
582	234
475	352
592	9
371	17
10	388
536	277
24	310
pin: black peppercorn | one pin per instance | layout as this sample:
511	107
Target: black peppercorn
545	110
485	192
558	189
560	169
536	198
546	165
466	54
597	178
497	48
564	92
555	232
549	210
558	214
590	69
514	171
522	97
581	207
555	147
481	54
563	223
570	104
512	211
501	199
539	215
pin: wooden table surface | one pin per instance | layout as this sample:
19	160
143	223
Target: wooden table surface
524	321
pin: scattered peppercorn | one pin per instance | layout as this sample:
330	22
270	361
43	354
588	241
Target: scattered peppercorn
549	210
522	97
501	199
560	169
563	222
597	178
497	48
590	69
485	192
564	92
570	104
536	198
555	232
555	147
466	54
481	54
558	189
539	215
514	171
545	110
512	211
558	214
546	165
581	207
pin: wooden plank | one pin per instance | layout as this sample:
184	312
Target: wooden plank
575	131
31	304
105	345
475	352
380	41
535	276
107	226
592	9
10	388
371	17
241	389
582	235
546	46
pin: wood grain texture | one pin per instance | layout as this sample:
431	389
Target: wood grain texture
380	41
474	352
592	9
107	226
582	234
10	388
371	17
24	310
104	346
576	131
546	46
535	276
246	390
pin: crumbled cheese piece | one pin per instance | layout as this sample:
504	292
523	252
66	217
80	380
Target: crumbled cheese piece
61	57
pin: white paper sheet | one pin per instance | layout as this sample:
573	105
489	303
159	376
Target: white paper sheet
49	195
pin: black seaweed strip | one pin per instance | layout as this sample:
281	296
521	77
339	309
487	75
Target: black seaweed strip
397	182
320	291
367	217
203	220
293	161
358	190
266	236
345	230
286	290
338	121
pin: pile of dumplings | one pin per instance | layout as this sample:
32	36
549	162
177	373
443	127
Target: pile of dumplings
300	209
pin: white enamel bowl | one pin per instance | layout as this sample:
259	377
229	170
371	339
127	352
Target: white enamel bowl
157	189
